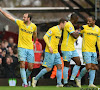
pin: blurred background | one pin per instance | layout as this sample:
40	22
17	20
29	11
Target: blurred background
46	13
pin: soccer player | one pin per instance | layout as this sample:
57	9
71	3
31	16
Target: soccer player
69	52
52	56
91	35
25	44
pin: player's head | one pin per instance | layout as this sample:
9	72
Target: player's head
27	17
91	21
74	18
62	23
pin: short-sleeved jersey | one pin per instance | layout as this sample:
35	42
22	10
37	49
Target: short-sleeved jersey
68	39
25	34
54	35
90	36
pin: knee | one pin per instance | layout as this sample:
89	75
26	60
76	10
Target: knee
30	68
66	64
22	64
88	66
59	67
78	63
48	69
95	67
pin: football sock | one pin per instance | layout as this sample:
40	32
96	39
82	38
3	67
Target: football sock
65	74
41	73
23	75
92	76
59	76
82	73
74	72
28	72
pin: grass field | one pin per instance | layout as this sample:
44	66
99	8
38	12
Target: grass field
44	88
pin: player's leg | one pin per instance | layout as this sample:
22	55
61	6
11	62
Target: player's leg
76	59
30	60
93	70
66	58
22	59
58	63
76	67
48	63
87	60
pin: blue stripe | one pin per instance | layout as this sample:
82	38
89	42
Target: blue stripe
15	20
98	36
47	34
58	27
72	32
50	39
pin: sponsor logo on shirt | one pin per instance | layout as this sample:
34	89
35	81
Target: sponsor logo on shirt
92	34
26	31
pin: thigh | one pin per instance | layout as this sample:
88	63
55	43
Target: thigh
48	60
94	58
86	57
30	56
66	55
57	59
22	54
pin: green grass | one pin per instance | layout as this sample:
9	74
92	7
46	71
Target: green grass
41	88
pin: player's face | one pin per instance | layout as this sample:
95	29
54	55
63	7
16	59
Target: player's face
75	20
63	25
90	21
25	18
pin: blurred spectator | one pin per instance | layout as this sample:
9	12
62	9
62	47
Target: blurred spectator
2	70
11	42
3	46
10	51
10	67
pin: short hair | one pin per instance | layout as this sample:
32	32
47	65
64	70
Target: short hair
74	15
93	18
62	20
30	16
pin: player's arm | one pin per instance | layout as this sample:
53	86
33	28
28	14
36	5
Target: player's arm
78	32
34	36
46	39
7	15
75	34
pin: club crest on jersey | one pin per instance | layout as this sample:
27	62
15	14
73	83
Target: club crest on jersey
97	30
70	28
50	32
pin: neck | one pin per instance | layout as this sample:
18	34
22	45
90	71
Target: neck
28	23
93	25
59	27
72	21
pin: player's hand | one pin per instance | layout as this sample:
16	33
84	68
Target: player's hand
51	50
77	31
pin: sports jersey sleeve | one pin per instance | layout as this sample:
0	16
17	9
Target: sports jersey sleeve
18	22
99	33
50	32
35	28
82	29
69	28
